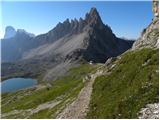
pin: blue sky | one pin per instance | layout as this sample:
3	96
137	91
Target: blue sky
127	19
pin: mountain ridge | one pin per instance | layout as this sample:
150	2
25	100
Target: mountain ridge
67	44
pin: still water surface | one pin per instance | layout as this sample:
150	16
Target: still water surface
14	84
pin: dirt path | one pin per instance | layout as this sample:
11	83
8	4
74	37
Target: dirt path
78	108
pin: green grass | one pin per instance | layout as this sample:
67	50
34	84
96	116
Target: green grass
51	113
62	86
41	114
129	87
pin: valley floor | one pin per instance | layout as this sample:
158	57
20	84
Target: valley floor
45	101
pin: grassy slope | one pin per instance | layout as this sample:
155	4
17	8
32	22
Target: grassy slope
129	87
70	85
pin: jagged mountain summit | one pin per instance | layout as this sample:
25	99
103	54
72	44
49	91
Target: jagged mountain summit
13	47
92	32
25	32
68	43
9	32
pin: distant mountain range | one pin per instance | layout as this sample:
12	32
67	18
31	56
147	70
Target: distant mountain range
94	39
9	32
14	43
86	39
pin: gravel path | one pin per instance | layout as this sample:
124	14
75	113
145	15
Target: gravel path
78	108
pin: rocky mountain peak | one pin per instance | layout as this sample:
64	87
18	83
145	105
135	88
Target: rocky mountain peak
66	21
93	12
74	26
9	32
93	17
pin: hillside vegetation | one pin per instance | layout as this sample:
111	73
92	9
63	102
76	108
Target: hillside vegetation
120	92
61	91
131	85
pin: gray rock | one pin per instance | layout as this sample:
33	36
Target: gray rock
150	35
110	60
151	111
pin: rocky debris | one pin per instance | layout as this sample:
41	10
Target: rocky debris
151	111
150	35
78	108
74	55
110	60
113	66
146	63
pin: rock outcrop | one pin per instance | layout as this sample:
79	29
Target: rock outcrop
150	35
151	111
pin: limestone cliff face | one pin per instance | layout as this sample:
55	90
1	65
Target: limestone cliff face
155	8
150	35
